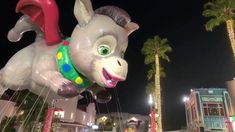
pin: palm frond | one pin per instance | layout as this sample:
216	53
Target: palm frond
150	87
212	23
218	11
149	59
152	71
210	13
155	45
162	73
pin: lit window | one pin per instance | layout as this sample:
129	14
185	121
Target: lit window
213	109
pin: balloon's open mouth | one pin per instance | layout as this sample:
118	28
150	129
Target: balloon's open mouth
110	79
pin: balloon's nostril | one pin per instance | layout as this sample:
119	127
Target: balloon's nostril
119	63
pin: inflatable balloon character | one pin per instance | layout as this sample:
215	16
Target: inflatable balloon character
68	66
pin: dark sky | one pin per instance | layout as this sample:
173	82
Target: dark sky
199	58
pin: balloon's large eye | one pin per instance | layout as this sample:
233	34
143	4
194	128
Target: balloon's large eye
103	50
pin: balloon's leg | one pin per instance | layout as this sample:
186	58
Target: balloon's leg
23	25
55	81
2	88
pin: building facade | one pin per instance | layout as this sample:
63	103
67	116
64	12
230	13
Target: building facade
122	122
206	110
7	109
66	116
72	119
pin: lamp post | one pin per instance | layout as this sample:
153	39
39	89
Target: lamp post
152	114
185	100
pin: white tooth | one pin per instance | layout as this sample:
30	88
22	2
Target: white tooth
109	81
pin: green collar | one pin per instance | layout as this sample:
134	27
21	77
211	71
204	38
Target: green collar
66	67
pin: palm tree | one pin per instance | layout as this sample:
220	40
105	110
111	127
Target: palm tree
221	11
8	124
154	49
33	105
25	114
32	109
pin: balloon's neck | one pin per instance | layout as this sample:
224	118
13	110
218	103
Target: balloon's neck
67	68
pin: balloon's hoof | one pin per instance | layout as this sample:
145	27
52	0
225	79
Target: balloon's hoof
68	90
13	36
103	96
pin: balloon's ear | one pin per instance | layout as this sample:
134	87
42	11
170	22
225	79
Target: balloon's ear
131	27
83	11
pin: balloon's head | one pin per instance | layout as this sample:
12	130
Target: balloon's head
98	43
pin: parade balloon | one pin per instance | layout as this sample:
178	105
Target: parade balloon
68	66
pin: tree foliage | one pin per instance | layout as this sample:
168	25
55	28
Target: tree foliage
218	11
151	47
152	71
26	114
7	124
150	87
31	106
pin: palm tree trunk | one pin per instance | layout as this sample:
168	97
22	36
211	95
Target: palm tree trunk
230	30
157	95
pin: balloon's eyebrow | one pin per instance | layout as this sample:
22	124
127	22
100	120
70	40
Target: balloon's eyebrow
107	34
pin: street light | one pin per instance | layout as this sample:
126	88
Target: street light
94	127
150	99
185	99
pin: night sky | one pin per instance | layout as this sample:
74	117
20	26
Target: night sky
199	58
